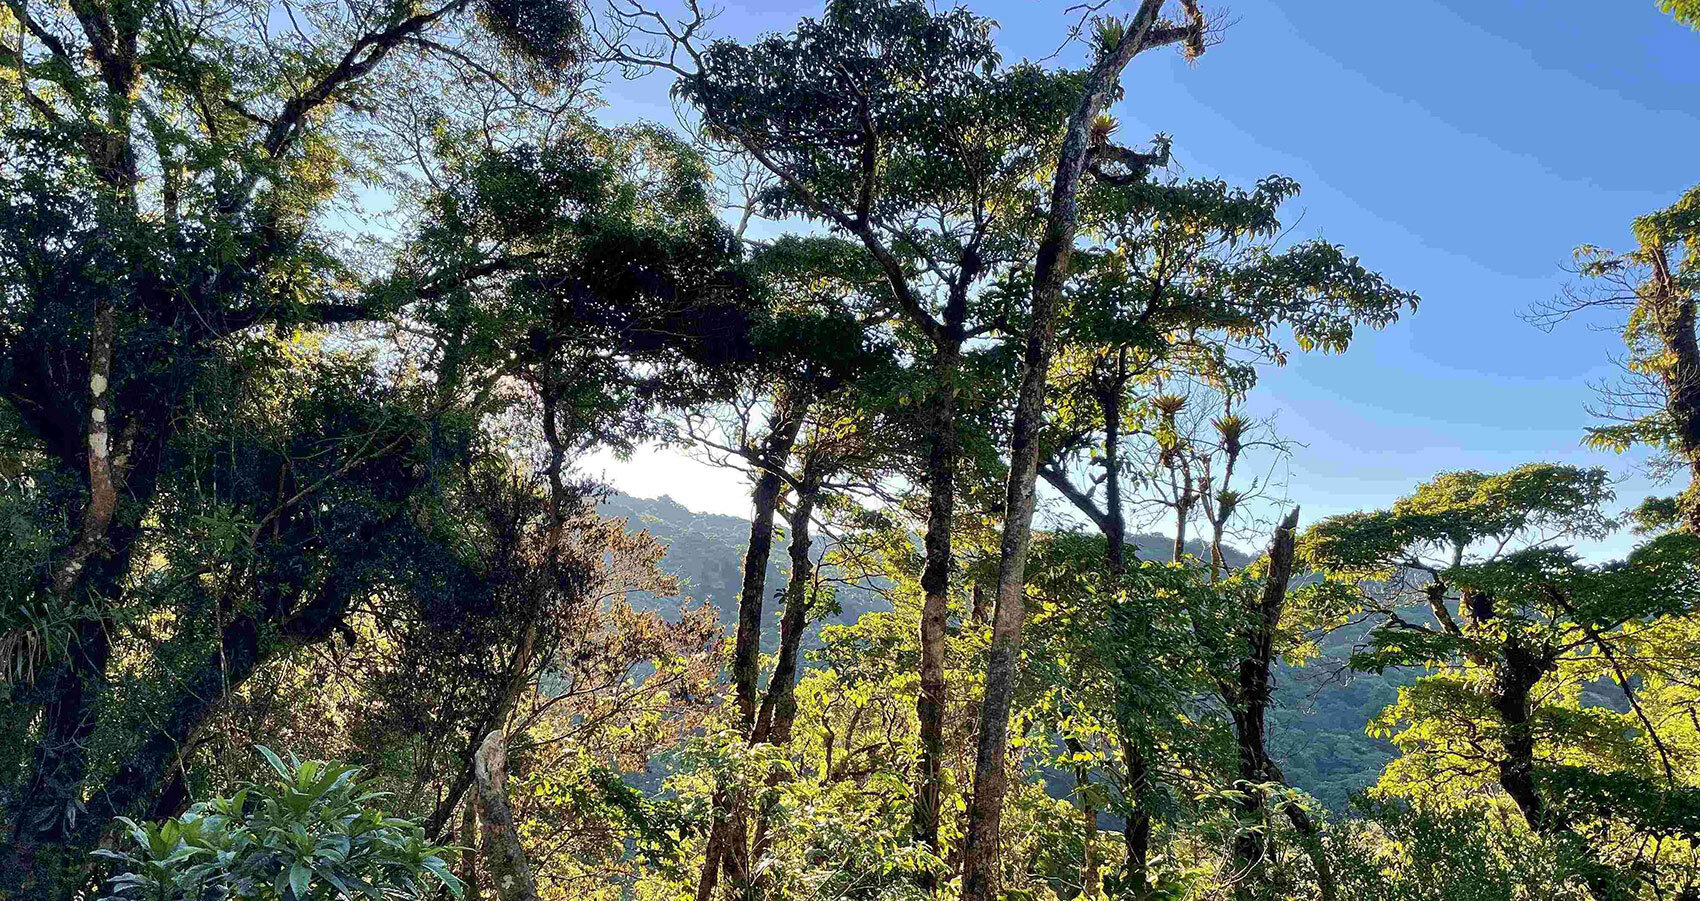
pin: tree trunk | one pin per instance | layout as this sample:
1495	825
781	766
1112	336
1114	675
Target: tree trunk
1249	697
1181	516
727	841
1513	683
779	707
1136	828
935	585
1115	519
102	474
1136	831
985	812
788	415
1675	320
504	856
469	855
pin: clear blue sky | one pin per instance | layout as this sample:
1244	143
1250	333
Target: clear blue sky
1462	147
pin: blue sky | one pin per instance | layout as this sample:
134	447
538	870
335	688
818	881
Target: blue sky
1461	147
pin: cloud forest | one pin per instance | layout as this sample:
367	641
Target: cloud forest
313	312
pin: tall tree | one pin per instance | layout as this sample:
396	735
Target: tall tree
817	345
898	127
1082	147
1186	282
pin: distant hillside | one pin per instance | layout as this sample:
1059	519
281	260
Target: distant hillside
1317	727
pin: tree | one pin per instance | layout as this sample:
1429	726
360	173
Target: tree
898	128
815	351
1083	146
1515	624
170	274
1658	402
1186	284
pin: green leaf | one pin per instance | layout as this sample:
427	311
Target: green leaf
274	760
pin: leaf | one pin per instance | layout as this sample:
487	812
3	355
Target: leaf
298	876
440	869
274	760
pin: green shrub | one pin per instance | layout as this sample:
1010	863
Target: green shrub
312	834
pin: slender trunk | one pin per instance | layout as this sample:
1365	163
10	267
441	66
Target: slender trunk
1249	697
504	856
776	450
1181	515
1115	520
713	853
779	707
1136	828
1218	564
985	812
747	651
935	585
103	494
1136	831
727	842
980	850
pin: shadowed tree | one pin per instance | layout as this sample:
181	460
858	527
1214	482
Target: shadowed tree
185	330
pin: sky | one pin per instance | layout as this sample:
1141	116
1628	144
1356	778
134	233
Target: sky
1463	148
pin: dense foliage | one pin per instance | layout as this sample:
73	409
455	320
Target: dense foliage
310	315
313	832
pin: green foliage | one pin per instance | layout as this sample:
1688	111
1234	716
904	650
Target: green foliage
954	128
1408	853
1183	271
1459	511
311	834
1685	11
1515	631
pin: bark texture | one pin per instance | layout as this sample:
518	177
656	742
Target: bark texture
504	856
1056	248
942	453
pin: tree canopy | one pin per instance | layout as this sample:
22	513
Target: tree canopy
314	319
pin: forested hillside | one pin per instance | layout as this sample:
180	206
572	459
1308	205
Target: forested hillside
1318	720
316	319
